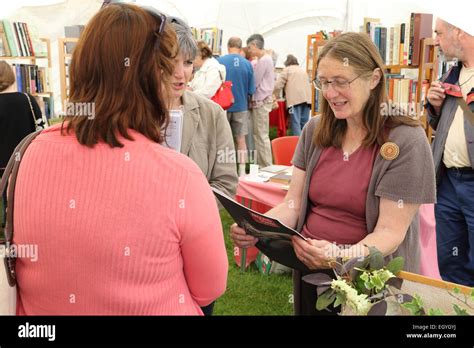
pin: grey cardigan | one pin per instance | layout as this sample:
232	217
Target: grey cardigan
207	139
409	177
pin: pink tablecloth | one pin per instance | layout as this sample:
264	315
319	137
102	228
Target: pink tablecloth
264	196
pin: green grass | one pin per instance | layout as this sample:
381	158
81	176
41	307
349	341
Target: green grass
250	292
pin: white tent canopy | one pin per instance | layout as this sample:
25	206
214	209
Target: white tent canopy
285	24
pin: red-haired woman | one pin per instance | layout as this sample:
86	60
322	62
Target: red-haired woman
123	225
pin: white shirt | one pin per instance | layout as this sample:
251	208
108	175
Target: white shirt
207	79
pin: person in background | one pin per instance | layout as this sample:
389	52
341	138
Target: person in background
17	118
262	99
124	225
206	136
359	175
453	152
210	74
240	73
295	82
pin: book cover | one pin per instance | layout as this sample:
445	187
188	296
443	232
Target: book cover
274	238
4	40
275	169
281	178
28	39
7	27
422	28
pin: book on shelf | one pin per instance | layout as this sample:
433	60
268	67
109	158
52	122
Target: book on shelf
72	31
274	238
19	39
32	78
401	43
211	36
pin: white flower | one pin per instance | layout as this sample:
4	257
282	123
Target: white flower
358	303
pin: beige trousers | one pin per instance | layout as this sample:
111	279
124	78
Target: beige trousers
260	121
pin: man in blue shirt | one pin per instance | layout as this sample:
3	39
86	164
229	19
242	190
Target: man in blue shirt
240	72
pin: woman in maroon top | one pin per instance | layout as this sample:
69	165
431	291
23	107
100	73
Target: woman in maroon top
334	191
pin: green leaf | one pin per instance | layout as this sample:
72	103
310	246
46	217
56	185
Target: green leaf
325	300
340	299
376	260
415	306
396	265
456	290
472	295
435	311
459	311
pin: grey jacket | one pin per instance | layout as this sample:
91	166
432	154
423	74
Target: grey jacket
442	123
409	177
207	140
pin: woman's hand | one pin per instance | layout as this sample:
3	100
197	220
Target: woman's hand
240	238
315	254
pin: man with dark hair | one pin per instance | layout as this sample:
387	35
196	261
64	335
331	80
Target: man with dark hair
262	99
240	72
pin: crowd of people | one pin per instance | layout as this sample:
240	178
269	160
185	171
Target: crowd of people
129	226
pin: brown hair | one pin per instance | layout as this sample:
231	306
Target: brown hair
7	77
204	50
364	58
291	60
120	64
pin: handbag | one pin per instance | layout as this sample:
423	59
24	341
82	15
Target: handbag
224	96
8	293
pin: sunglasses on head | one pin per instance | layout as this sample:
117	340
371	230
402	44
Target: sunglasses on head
151	11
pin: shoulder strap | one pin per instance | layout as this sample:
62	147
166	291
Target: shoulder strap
8	182
467	111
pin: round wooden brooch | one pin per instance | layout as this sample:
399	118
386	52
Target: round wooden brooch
389	151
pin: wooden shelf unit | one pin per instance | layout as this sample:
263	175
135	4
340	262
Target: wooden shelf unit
63	64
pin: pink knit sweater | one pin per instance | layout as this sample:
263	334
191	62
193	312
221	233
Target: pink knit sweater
127	231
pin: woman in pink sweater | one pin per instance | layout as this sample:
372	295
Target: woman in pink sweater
123	225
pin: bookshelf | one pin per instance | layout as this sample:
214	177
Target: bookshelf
314	44
426	73
211	36
41	63
64	63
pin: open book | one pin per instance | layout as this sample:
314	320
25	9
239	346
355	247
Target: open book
274	238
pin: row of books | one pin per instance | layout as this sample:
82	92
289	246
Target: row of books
211	36
18	40
400	44
32	78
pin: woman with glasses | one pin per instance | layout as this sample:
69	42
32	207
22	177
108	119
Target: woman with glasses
360	173
121	223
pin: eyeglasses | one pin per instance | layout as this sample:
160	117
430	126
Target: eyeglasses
162	18
153	12
337	84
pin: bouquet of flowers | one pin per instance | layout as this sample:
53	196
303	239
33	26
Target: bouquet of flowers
365	286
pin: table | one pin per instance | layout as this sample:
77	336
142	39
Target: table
278	118
262	197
